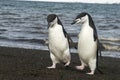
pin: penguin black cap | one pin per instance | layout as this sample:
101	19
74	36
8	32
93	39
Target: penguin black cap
51	17
79	16
82	15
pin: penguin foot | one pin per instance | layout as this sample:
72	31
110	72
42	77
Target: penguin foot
67	64
52	67
79	67
91	73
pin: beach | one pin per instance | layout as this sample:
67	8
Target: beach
30	64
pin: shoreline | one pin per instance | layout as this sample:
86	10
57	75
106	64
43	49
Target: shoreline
28	64
105	52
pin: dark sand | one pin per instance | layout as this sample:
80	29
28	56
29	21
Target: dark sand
26	64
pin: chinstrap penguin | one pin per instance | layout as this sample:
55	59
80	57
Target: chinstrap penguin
58	41
88	43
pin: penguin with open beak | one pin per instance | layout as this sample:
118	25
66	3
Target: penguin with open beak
88	43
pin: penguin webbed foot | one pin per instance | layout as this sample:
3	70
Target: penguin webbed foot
80	67
91	73
52	67
67	64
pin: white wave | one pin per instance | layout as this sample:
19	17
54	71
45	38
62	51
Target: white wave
110	39
110	47
113	54
110	44
82	1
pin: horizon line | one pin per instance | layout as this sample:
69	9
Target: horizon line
73	2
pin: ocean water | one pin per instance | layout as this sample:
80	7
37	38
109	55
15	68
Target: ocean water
23	24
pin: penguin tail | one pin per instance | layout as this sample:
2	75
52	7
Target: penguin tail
98	54
76	46
99	70
99	49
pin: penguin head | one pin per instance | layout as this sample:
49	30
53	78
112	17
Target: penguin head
53	19
81	18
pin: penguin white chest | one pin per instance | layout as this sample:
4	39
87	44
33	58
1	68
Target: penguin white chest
86	45
57	40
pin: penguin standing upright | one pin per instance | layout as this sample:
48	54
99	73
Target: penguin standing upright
58	41
88	42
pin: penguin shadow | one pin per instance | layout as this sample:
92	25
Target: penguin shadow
69	68
84	71
72	68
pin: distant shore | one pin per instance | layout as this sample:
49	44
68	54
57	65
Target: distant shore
28	64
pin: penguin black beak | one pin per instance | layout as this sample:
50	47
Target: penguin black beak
73	22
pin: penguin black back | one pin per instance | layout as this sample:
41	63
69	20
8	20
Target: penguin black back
91	23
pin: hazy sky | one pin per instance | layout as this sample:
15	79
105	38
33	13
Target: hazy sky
84	1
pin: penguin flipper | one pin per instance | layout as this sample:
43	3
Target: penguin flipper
95	35
67	36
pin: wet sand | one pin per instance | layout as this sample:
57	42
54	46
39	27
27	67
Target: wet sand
27	64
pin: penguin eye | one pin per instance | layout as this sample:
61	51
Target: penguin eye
82	18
